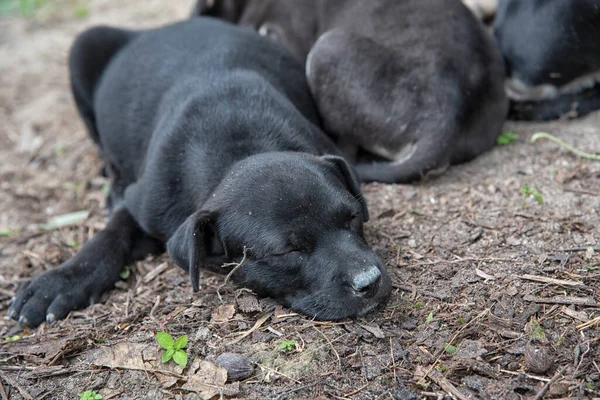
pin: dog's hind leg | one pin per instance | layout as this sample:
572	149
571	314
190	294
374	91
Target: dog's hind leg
371	97
81	280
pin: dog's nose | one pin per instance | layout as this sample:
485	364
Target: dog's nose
366	282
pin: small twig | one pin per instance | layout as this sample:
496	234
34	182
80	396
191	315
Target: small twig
578	301
446	385
14	384
413	289
279	373
536	378
332	348
481	314
543	391
578	249
281	395
237	266
155	272
356	390
461	260
544	279
581	191
564	145
393	360
2	391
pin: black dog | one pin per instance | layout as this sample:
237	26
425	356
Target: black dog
210	136
416	82
552	55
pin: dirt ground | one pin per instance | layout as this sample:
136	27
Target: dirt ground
495	294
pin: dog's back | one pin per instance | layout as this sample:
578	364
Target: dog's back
177	107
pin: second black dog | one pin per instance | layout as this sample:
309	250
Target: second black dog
552	56
210	136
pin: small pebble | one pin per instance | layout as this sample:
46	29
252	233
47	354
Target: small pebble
537	359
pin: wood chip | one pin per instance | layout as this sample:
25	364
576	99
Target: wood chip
578	315
155	272
448	387
483	275
375	330
578	301
545	279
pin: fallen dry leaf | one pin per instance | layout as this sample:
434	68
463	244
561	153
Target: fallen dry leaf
137	356
223	313
206	379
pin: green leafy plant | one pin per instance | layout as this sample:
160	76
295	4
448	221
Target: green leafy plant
531	191
418	305
287	345
507	138
90	395
173	348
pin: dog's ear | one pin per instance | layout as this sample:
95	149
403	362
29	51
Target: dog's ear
191	243
350	178
227	10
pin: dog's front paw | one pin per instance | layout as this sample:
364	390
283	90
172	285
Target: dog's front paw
53	294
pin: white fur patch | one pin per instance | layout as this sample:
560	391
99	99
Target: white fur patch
518	90
399	156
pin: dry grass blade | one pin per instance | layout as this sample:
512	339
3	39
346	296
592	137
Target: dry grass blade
554	281
257	325
586	325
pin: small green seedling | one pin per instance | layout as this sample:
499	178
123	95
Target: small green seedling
418	305
173	348
531	191
125	273
507	138
12	338
591	268
6	232
81	11
287	345
90	395
429	318
590	386
448	348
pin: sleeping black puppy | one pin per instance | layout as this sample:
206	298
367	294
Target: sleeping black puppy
418	83
552	55
212	144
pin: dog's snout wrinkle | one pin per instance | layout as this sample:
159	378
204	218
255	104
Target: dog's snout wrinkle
366	281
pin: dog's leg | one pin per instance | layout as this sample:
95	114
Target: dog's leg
82	279
382	101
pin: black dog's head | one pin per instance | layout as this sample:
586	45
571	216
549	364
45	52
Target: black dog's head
290	22
301	219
